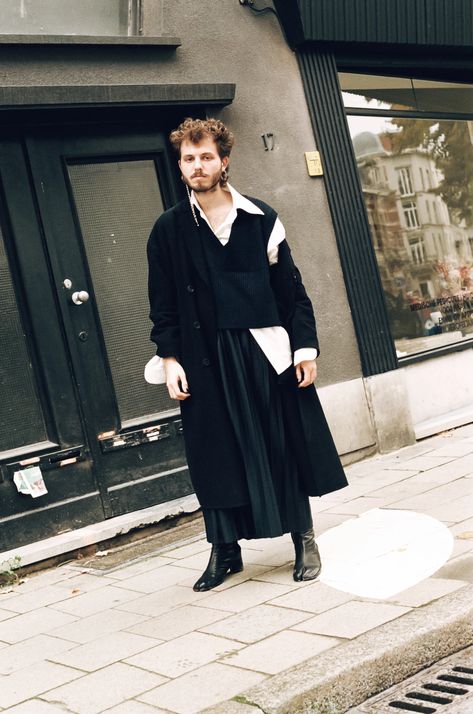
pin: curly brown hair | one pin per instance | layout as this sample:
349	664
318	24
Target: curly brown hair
194	130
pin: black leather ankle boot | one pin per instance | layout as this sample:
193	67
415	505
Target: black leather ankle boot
224	558
307	564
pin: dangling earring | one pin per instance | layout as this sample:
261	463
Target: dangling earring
224	177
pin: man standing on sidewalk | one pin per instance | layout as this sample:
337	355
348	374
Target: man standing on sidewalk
236	330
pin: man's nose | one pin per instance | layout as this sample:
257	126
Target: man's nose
197	163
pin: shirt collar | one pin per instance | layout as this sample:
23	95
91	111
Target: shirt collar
239	202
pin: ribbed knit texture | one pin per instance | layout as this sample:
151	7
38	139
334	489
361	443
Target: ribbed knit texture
239	272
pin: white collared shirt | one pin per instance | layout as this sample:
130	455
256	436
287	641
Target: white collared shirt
274	341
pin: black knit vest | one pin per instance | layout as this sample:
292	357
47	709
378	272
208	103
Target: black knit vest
239	271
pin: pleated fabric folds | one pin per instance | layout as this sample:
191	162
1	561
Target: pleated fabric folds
257	403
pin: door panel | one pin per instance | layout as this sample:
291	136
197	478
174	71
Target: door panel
98	198
40	413
21	416
115	233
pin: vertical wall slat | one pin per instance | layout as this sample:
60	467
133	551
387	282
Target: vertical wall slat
445	23
344	192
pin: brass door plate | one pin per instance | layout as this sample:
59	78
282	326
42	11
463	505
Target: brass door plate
314	165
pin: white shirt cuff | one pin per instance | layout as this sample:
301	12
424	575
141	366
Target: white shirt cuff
305	353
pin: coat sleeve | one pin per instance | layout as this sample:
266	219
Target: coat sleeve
293	301
162	295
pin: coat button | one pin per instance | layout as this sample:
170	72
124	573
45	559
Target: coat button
190	288
206	361
197	325
294	277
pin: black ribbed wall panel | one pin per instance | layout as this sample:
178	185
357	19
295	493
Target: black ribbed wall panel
365	293
444	23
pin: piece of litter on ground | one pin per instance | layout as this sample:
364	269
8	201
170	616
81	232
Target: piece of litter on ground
383	552
465	535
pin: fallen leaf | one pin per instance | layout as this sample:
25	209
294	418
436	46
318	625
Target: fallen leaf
75	591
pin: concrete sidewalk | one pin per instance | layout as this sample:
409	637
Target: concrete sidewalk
138	640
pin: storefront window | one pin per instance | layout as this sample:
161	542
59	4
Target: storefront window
416	174
67	17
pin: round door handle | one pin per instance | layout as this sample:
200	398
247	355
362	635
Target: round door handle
79	297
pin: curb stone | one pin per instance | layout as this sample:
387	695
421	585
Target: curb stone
350	673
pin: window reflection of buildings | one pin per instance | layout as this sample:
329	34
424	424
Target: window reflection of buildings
421	252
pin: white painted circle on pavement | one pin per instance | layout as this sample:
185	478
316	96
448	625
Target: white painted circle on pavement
383	552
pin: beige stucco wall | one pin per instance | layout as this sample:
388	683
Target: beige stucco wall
226	42
235	45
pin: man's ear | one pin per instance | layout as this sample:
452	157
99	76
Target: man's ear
225	162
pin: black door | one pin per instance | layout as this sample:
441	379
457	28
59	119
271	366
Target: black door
77	211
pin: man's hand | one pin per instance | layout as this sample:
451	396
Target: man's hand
176	381
306	372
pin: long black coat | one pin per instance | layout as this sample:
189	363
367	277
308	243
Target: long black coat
184	326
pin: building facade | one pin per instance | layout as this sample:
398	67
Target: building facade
383	236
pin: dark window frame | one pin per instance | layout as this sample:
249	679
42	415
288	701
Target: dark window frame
319	66
416	114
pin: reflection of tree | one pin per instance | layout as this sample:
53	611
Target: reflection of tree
449	144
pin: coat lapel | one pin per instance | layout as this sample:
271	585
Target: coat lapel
192	240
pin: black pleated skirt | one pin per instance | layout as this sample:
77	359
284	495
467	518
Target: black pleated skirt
256	404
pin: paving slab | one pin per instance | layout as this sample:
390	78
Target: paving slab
165	600
427	591
6	614
31	651
136	639
314	598
142	566
93	693
351	619
36	622
425	462
91	628
201	688
43	676
280	651
460	569
37	706
256	623
455	511
457	448
438	496
250	571
158	579
90	603
27	601
131	706
103	651
346	675
245	595
178	622
183	654
358	505
281	575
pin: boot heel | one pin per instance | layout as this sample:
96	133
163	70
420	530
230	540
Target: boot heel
237	565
